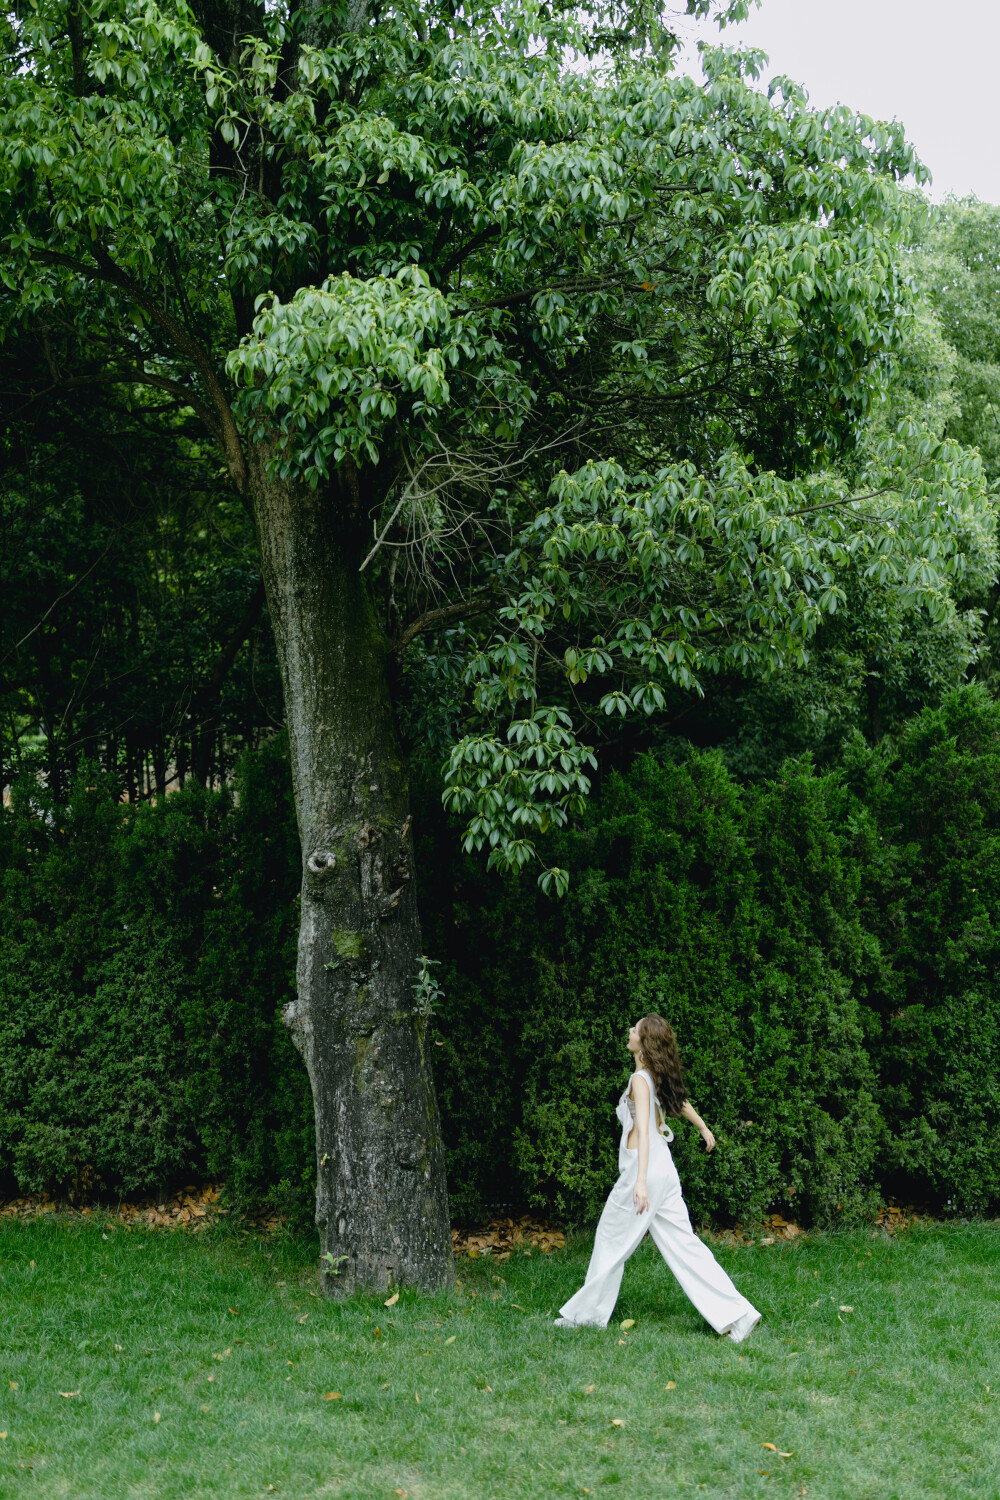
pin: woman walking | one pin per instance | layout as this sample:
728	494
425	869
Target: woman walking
647	1196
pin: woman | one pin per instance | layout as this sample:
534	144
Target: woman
647	1195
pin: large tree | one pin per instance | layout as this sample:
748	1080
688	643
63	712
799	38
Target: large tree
412	265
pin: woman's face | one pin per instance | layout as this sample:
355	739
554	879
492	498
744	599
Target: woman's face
634	1039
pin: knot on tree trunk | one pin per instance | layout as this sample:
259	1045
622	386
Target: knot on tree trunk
410	1151
293	1018
392	901
321	863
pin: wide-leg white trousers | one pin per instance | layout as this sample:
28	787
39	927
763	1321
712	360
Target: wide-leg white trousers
621	1230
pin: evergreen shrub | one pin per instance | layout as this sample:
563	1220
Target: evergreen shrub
826	945
146	953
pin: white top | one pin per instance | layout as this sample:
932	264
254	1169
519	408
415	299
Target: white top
626	1108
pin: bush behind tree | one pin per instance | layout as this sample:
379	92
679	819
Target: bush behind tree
147	951
825	944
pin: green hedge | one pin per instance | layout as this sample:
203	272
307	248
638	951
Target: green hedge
146	952
825	944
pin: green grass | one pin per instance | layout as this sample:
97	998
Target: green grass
897	1398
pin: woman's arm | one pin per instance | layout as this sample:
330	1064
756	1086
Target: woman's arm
640	1094
690	1113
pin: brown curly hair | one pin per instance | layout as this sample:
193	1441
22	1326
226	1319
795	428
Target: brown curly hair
660	1054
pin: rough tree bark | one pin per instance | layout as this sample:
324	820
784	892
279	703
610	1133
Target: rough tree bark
381	1193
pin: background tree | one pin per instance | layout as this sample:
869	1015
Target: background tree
133	631
958	264
411	273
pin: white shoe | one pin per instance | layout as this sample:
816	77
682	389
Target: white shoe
744	1327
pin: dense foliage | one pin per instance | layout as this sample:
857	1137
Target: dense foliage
133	630
825	943
146	950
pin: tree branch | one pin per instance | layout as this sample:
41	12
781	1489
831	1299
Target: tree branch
441	616
129	375
225	430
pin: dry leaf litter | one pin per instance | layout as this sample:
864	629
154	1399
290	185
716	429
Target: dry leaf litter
196	1208
192	1208
502	1237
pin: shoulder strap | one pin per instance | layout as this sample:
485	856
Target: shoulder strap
649	1079
654	1098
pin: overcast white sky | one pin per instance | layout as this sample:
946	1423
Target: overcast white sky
932	65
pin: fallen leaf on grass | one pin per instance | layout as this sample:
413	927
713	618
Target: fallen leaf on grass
771	1447
391	1301
12	1384
332	1396
156	1416
69	1393
842	1308
627	1323
225	1353
302	1319
2	1436
621	1341
617	1422
452	1339
587	1390
786	1455
767	1240
234	1311
671	1385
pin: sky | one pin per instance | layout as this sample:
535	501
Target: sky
932	65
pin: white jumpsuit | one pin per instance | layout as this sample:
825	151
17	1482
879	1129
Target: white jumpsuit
621	1230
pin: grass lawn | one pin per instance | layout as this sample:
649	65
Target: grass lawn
199	1366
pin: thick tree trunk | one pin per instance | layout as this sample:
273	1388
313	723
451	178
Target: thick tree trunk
381	1196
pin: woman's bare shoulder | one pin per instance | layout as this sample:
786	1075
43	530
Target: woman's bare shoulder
638	1086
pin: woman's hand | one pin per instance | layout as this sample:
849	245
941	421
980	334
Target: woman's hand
640	1198
690	1113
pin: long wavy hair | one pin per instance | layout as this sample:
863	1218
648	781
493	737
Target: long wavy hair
660	1054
